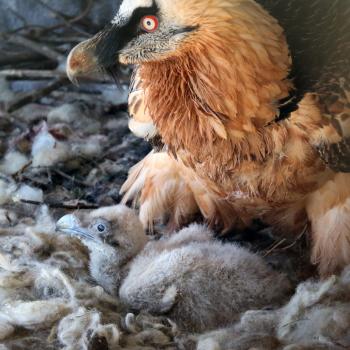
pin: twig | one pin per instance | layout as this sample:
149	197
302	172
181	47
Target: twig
68	22
36	74
11	59
32	74
66	39
25	99
17	15
84	13
68	177
32	45
275	246
297	239
42	29
13	121
78	205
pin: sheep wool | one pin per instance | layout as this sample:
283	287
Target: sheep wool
48	301
317	317
13	162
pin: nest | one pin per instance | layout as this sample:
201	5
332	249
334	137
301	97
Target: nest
63	149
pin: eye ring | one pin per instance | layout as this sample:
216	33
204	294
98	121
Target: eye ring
149	24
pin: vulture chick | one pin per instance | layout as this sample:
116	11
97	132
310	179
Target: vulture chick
248	102
191	277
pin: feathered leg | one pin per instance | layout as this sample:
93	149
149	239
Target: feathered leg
166	190
155	184
329	212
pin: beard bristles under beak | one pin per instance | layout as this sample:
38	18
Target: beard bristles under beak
107	47
115	73
97	56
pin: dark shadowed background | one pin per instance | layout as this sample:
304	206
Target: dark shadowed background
18	13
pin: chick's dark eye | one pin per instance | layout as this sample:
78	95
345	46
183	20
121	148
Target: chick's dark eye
101	228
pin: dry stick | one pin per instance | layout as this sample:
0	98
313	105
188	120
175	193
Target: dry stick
84	13
10	59
63	39
20	125
36	74
275	246
303	232
68	177
17	14
72	20
68	23
32	74
32	45
62	205
25	99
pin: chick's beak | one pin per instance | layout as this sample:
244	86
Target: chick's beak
71	225
82	60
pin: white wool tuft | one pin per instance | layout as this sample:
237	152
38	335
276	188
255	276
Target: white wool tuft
28	193
66	113
13	162
91	147
208	344
44	222
34	314
9	191
76	330
47	151
319	311
7	188
76	116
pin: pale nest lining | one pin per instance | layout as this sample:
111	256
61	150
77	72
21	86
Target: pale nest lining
317	317
48	301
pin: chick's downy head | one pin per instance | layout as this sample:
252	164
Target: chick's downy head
116	227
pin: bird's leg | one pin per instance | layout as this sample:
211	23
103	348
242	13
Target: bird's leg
157	186
329	212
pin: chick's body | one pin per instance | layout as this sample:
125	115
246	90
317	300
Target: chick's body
200	282
191	277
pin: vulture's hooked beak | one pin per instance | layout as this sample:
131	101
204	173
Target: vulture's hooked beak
96	55
71	225
82	61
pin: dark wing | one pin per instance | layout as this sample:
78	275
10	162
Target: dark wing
318	34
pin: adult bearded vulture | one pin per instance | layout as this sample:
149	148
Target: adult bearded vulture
249	105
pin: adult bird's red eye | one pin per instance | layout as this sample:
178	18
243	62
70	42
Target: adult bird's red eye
149	23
